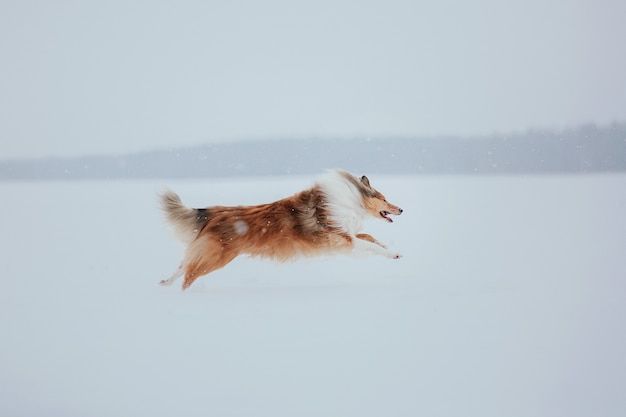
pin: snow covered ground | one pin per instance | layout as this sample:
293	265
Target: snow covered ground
510	301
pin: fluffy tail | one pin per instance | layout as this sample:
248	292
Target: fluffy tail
186	222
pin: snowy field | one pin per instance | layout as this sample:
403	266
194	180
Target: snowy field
510	301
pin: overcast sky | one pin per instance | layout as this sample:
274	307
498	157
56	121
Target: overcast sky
91	77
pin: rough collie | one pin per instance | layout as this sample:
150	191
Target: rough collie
326	218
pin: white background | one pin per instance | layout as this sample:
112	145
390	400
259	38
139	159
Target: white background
117	76
509	301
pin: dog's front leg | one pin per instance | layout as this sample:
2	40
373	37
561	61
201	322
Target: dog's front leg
365	243
371	238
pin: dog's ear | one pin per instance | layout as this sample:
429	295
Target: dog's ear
365	181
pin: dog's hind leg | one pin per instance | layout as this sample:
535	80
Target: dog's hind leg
206	265
179	273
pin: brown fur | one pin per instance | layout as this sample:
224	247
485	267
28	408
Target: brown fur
297	225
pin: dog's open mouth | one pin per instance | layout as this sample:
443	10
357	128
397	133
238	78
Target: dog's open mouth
385	215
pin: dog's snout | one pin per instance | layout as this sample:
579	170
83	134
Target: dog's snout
400	210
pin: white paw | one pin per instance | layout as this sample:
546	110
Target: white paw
395	255
165	282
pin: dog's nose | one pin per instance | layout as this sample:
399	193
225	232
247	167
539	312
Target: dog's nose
400	211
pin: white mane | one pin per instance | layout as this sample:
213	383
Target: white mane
343	200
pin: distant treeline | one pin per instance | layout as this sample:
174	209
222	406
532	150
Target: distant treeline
582	150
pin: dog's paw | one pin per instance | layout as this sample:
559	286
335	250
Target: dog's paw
394	255
165	282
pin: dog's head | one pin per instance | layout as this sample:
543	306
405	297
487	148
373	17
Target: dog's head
375	203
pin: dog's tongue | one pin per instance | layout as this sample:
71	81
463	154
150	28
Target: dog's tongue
386	216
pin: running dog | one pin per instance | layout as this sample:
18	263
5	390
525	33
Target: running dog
326	218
